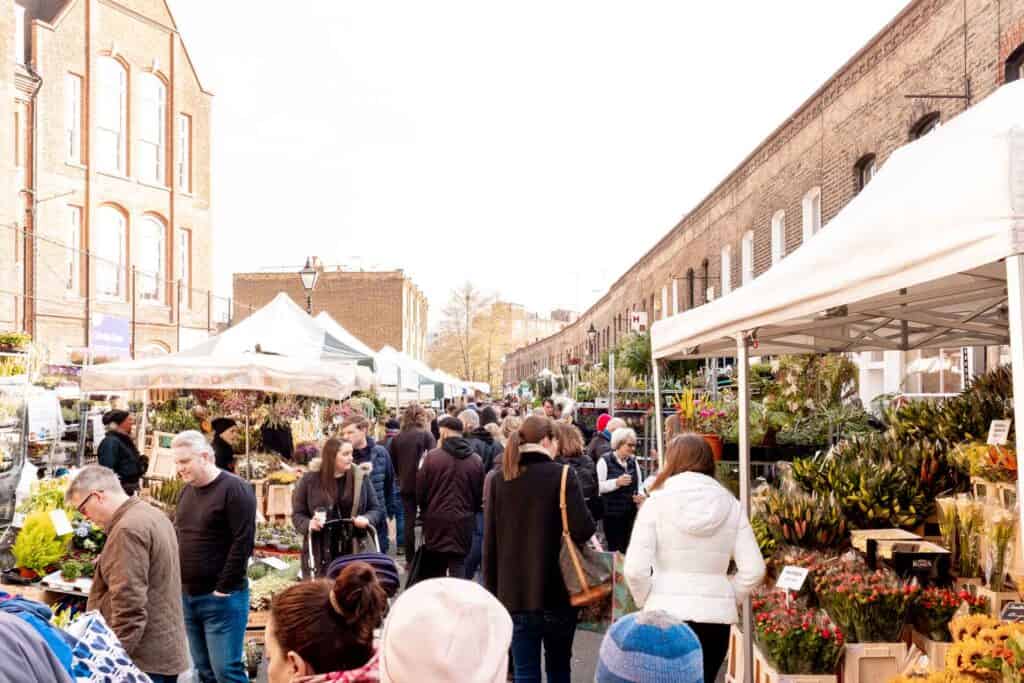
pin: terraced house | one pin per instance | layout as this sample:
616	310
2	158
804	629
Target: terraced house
933	61
105	231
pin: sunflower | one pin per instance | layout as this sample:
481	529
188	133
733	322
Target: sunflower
965	657
962	628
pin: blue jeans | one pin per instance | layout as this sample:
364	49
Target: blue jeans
216	635
399	524
476	551
555	629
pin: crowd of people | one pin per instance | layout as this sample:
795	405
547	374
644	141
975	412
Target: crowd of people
477	495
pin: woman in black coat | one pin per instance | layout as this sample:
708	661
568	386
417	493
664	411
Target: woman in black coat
522	541
570	452
331	491
118	452
225	432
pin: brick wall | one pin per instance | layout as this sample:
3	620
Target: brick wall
379	309
861	110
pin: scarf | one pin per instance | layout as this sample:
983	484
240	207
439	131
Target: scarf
367	673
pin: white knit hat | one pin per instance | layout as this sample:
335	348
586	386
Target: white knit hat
443	630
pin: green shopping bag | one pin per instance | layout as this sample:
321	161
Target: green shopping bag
597	618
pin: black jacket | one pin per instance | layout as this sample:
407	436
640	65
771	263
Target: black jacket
308	496
485	446
118	452
523	534
585	471
599	447
406	449
449	487
223	454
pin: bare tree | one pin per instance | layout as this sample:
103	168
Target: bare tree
465	305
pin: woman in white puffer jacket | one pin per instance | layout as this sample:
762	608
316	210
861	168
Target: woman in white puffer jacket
684	537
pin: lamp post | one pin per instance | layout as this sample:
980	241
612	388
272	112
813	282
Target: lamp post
591	336
309	276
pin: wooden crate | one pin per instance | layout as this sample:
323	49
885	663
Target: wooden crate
765	673
256	628
279	500
872	662
734	657
935	650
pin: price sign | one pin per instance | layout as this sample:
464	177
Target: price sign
792	578
998	432
61	524
1013	611
275	563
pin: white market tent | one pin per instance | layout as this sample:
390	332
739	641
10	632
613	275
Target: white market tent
334	329
279	348
930	254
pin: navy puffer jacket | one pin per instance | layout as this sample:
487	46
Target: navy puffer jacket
382	475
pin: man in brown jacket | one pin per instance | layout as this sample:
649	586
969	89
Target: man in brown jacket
137	585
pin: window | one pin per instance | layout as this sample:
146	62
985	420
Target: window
111	252
73	118
184	152
778	236
812	213
925	125
151	250
705	279
19	34
185	265
73	251
664	303
690	289
1015	65
111	116
152	130
726	269
865	170
747	256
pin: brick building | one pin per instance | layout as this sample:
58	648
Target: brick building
379	308
795	181
105	179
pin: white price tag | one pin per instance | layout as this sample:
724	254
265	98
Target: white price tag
275	563
792	578
998	432
61	523
19	520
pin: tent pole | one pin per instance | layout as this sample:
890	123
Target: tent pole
1015	315
743	402
611	384
143	421
657	410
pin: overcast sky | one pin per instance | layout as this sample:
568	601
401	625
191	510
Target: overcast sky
537	148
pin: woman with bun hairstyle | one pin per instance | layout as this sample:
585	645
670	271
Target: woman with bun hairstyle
118	452
522	541
327	492
322	630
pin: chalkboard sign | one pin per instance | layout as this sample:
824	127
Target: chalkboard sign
1013	611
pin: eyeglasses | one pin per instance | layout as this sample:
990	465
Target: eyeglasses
81	506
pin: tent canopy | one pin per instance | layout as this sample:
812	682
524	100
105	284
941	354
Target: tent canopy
911	262
282	328
397	368
335	330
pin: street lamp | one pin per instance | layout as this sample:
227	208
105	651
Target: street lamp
309	276
591	336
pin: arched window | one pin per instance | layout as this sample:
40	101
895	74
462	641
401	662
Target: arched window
926	124
110	247
747	256
152	130
152	251
812	212
726	269
690	289
865	170
705	279
111	116
1015	65
778	236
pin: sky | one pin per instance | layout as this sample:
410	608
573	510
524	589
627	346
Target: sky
535	148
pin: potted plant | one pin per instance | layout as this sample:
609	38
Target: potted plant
38	547
14	342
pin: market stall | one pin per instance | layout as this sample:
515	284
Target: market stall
929	254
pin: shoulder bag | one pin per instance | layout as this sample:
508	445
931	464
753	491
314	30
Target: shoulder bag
587	578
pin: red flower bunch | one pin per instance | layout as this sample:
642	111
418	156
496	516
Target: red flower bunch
794	638
871	607
935	608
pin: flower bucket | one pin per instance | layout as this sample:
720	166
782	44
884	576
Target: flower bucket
714	442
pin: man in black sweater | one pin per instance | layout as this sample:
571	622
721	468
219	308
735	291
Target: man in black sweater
216	526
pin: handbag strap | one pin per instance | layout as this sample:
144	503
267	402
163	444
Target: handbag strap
357	489
567	539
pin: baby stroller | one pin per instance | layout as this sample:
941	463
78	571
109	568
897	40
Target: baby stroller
384	566
337	539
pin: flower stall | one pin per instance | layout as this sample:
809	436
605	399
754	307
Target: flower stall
951	275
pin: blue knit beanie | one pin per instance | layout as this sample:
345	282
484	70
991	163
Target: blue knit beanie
650	647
